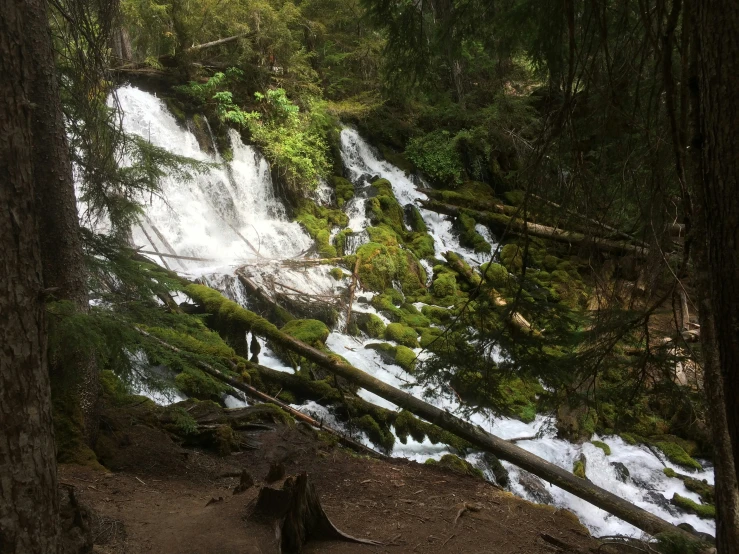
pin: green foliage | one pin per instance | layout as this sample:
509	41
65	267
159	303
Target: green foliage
678	543
436	155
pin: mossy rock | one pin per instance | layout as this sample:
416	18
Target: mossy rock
468	235
415	221
309	331
406	424
421	244
436	314
337	273
380	437
370	324
402	334
343	188
578	468
703	511
496	275
677	455
700	487
511	256
444	285
456	465
429	337
603	446
405	358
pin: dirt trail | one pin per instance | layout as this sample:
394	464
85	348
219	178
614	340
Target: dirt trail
156	499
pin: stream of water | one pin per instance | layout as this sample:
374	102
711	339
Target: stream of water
230	217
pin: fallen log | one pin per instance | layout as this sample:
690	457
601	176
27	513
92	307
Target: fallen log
216	304
218	42
502	222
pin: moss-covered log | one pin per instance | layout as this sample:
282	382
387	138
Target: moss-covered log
216	304
502	222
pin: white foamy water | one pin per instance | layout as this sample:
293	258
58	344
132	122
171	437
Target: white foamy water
218	212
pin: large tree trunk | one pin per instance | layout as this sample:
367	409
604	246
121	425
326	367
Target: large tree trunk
59	231
717	183
28	496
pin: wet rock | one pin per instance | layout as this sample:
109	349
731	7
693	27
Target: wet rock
622	472
657	498
499	472
704	536
535	487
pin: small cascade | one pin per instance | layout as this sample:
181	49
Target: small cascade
230	215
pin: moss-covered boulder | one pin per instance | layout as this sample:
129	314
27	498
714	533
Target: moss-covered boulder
402	334
343	189
511	256
370	324
444	285
468	235
309	331
704	511
578	468
677	455
318	222
603	446
455	464
382	264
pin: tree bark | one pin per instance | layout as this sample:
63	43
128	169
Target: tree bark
503	222
717	149
62	258
28	493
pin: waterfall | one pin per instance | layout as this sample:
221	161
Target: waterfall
220	213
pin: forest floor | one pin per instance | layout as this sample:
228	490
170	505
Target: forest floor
161	497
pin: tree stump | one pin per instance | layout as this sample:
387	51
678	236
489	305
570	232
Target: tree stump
298	515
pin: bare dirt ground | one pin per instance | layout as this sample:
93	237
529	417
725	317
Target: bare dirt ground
160	497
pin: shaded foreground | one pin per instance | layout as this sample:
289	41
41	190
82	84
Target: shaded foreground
162	497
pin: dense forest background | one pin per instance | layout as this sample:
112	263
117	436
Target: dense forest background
593	137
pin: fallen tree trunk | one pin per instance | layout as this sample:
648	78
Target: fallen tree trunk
218	42
599	497
502	222
259	395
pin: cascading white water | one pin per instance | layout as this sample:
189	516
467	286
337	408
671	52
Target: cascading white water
228	214
215	214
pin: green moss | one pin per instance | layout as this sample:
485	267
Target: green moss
69	437
415	220
603	446
631	438
515	197
382	234
444	285
468	235
309	331
520	397
511	256
344	190
436	314
495	274
704	511
340	241
318	222
422	245
402	334
193	382
112	388
405	358
337	273
383	186
578	468
677	455
379	436
700	487
456	464
287	397
382	264
674	543
371	324
429	337
407	424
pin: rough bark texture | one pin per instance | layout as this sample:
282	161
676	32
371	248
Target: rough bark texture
59	231
717	32
28	497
